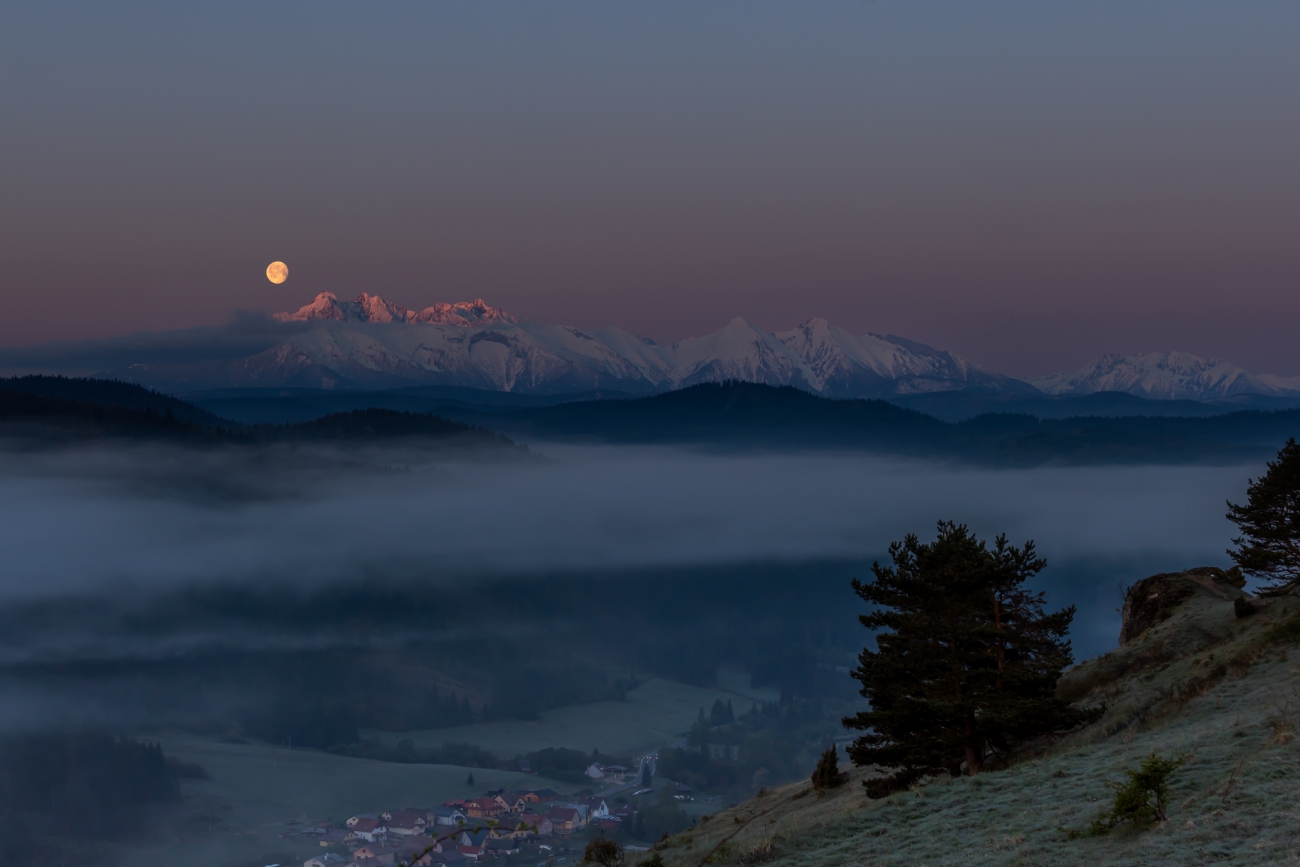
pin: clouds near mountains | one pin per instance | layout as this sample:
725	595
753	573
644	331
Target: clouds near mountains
373	343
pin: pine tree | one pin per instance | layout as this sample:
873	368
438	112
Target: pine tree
967	661
827	773
1269	544
469	781
719	713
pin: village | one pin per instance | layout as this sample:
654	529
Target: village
531	826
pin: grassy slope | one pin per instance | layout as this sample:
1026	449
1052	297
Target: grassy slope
1203	684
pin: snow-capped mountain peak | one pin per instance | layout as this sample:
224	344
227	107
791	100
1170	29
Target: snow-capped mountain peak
372	308
475	345
1165	376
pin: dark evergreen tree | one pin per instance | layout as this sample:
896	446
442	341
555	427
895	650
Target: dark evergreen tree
1269	544
827	773
967	661
721	714
469	781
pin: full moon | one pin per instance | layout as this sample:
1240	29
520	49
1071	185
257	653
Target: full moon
277	272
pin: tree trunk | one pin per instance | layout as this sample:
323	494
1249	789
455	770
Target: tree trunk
974	761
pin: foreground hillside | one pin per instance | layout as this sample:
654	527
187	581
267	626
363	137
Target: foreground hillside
1193	679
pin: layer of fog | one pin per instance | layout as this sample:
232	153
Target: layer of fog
93	520
91	535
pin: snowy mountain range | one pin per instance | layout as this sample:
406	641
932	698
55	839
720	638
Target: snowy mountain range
371	343
1166	376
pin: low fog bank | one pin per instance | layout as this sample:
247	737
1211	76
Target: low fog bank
93	520
275	589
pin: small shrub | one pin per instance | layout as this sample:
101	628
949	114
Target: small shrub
604	852
1286	632
1142	800
827	773
1243	607
757	855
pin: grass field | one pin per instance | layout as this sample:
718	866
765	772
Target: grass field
656	712
255	790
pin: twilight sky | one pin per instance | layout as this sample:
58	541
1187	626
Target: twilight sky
1027	184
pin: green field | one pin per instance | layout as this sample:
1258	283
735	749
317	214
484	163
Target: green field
256	789
656	712
273	784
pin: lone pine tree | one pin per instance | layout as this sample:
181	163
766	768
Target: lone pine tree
966	662
827	773
1269	544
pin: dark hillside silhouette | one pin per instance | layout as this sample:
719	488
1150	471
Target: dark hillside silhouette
110	392
750	415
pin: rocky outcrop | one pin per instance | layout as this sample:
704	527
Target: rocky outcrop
1153	600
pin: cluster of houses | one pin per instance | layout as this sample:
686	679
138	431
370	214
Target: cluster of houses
466	831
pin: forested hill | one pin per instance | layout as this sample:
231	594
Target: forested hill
375	424
110	392
732	415
53	410
748	415
51	420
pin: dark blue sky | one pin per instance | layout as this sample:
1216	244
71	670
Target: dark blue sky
1027	184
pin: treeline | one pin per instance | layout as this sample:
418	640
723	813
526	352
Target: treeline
367	424
560	641
768	744
53	419
325	700
60	794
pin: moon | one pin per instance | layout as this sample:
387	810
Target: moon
277	272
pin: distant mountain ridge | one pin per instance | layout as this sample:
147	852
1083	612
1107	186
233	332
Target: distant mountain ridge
373	343
52	412
1166	376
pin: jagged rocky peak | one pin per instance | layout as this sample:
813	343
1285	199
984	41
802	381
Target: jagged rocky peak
372	308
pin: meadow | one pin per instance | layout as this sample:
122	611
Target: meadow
657	712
